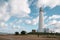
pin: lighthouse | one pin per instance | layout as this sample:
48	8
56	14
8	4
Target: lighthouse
41	20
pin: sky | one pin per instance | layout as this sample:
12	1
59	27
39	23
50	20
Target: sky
18	15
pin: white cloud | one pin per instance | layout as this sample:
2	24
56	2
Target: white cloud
28	21
57	30
3	25
33	21
19	8
15	27
45	17
54	23
3	13
49	3
7	17
18	28
57	26
54	17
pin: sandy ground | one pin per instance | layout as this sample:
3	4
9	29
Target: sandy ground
28	37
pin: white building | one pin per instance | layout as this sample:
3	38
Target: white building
41	20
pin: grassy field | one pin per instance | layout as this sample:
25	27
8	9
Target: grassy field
29	37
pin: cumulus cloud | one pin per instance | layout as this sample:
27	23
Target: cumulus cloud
19	8
16	8
3	13
3	25
33	21
57	30
28	21
49	3
56	26
54	17
54	23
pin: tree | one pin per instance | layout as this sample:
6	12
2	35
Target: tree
23	32
16	33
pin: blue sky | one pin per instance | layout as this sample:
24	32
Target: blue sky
16	17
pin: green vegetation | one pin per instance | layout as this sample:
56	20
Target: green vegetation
16	33
44	33
23	32
37	33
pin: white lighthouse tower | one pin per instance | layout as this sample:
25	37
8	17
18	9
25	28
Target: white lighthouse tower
41	20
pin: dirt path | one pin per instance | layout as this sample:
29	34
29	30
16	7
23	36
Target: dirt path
26	37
